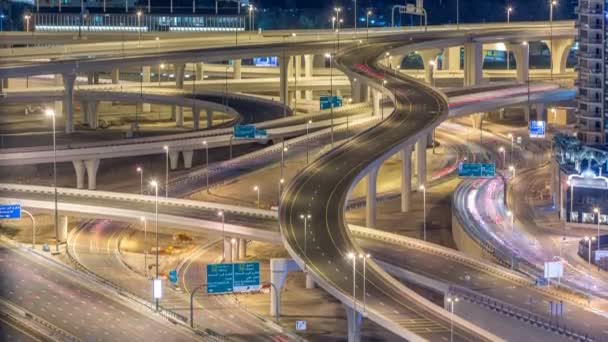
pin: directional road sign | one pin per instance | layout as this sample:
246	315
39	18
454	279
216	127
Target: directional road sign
10	212
228	278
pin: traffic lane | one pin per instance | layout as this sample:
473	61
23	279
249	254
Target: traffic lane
12	330
329	180
66	302
451	272
196	213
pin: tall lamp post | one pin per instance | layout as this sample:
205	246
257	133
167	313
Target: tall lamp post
512	217
509	11
510	135
140	170
571	184
139	14
154	184
353	257
206	163
364	257
51	113
305	218
589	240
423	189
307	141
283	151
27	22
145	222
552	3
166	148
451	301
221	215
598	212
331	97
281	182
502	151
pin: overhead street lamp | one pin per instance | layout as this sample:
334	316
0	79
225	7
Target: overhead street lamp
501	149
206	163
571	184
367	15
305	218
139	14
509	11
512	169
257	190
423	189
333	23
145	222
510	215
27	22
451	300
161	66
598	212
433	65
307	140
364	257
140	170
51	113
331	97
510	135
166	148
221	215
283	151
384	82
353	257
281	182
552	3
154	184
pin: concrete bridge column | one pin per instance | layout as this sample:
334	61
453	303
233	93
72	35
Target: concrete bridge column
227	250
92	165
370	201
200	71
308	65
236	69
278	273
376	97
115	75
310	282
473	64
406	178
68	101
90	78
80	170
179	116
355	90
196	118
187	155
298	71
560	48
59	103
540	111
242	249
92	119
521	52
209	118
421	160
173	159
179	75
84	105
476	120
62	229
428	56
284	76
353	319
527	113
234	249
451	59
145	107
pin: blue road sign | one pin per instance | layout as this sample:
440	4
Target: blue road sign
473	170
325	102
228	278
244	131
10	212
537	129
173	276
247	277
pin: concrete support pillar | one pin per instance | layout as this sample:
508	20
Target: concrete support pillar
62	229
310	282
242	249
187	155
473	64
540	111
421	160
451	59
92	165
308	65
355	90
476	120
406	178
179	116
68	101
560	48
115	76
298	72
527	114
84	112
179	75
145	70
236	69
196	118
376	97
370	200
353	319
91	112
200	71
209	118
521	52
90	78
234	249
173	159
283	69
79	169
278	273
59	103
227	250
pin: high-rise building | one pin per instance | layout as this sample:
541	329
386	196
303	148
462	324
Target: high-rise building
592	112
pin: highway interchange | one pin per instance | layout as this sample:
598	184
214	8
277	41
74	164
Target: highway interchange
320	189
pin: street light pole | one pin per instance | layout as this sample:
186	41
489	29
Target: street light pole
510	214
452	300
154	184
589	240
364	257
221	215
192	304
552	4
281	182
353	257
143	219
51	113
283	150
305	218
598	212
166	148
139	14
331	97
206	163
307	140
511	155
140	170
501	149
367	23
423	189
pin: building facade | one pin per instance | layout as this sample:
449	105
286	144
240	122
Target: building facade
591	116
